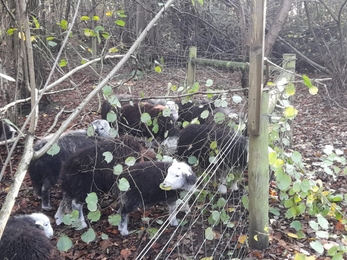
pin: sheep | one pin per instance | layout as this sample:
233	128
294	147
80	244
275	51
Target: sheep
230	150
27	237
152	183
129	119
89	170
44	171
192	110
6	131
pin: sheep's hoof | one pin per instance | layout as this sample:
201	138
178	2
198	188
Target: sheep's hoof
164	187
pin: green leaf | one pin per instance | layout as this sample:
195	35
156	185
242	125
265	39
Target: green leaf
195	88
130	161
296	156
63	24
219	117
213	145
120	23
121	13
92	201
305	185
62	63
272	158
314	225
322	234
145	118
204	114
296	225
290	112
192	160
166	112
221	202
201	2
114	220
155	128
64	243
94	215
99	28
158	69
123	184
11	31
118	169
36	22
313	90
104	236
307	81
290	89
85	18
88	236
55	149
52	44
209	234
237	99
317	245
322	222
283	181
108	156
111	117
107	90
215	215
95	18
209	83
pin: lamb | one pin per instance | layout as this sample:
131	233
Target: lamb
6	131
129	119
230	149
150	184
44	172
89	170
27	237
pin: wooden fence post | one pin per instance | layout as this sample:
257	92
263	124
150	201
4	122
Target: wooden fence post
191	66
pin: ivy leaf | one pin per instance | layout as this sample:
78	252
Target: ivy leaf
54	149
209	83
118	169
145	118
64	243
322	222
317	245
209	234
130	161
92	201
114	220
108	156
94	215
88	236
123	184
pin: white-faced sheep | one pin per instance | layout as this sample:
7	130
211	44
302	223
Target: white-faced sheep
129	119
91	170
27	237
152	183
45	171
206	142
6	131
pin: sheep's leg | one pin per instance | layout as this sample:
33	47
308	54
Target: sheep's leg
123	225
63	208
172	217
79	208
45	195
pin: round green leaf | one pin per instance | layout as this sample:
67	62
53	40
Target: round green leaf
123	184
209	83
313	90
204	114
114	220
111	117
290	89
94	215
290	112
192	160
92	201
130	161
54	149
118	169
317	245
237	98
145	118
64	243
108	156
209	234
88	236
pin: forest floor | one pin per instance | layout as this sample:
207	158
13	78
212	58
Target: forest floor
319	123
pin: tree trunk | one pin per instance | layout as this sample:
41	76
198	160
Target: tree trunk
277	26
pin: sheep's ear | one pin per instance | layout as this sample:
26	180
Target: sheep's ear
174	161
39	224
191	179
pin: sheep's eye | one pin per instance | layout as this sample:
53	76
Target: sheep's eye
177	175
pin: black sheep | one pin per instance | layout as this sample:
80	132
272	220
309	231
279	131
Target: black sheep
27	237
6	131
147	187
44	172
89	170
230	149
192	110
129	119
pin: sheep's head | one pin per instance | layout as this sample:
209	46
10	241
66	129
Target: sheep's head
179	176
43	222
99	127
